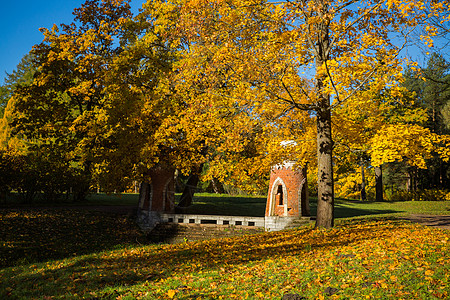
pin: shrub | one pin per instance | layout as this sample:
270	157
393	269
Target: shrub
422	195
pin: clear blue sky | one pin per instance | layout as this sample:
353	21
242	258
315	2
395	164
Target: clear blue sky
20	22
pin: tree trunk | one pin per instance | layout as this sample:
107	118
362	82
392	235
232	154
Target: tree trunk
191	185
363	183
325	197
378	184
189	191
216	187
83	182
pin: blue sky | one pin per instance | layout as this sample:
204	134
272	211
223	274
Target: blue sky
20	22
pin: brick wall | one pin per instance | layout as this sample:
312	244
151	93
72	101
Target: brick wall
291	180
159	193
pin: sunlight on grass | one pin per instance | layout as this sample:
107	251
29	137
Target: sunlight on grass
86	254
377	259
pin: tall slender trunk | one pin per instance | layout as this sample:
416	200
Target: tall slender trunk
363	182
378	183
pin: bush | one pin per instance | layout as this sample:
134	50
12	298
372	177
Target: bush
423	195
43	176
6	174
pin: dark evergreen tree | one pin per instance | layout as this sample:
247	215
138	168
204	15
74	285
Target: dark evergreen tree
432	87
21	76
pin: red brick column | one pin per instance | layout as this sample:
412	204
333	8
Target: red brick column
291	182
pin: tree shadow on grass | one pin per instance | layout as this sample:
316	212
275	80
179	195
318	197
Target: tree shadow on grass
100	274
30	235
341	210
228	205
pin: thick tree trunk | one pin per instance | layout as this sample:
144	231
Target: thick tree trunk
144	196
82	183
378	184
191	185
325	197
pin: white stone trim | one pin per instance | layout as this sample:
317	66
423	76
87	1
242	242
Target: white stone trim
275	184
284	165
217	220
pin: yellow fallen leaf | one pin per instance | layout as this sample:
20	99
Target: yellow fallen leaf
171	293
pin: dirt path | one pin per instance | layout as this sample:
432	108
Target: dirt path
437	221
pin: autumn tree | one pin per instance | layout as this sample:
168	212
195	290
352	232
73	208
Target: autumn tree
60	109
22	75
431	88
173	124
381	132
302	55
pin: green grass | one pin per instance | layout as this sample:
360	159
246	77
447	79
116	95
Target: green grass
126	199
358	259
346	209
221	204
102	199
255	206
72	254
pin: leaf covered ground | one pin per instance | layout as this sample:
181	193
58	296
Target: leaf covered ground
374	259
34	235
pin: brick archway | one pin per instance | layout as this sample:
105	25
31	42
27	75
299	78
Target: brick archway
275	206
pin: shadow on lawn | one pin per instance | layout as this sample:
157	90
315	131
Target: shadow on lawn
255	207
37	235
59	234
341	210
228	205
28	236
144	265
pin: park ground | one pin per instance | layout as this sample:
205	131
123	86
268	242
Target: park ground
95	251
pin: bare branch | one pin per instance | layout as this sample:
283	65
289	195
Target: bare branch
333	41
332	81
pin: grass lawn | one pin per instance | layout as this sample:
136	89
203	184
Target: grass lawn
255	207
101	199
358	259
221	204
71	254
347	208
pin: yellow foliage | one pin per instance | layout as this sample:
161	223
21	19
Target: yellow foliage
411	143
245	70
348	185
